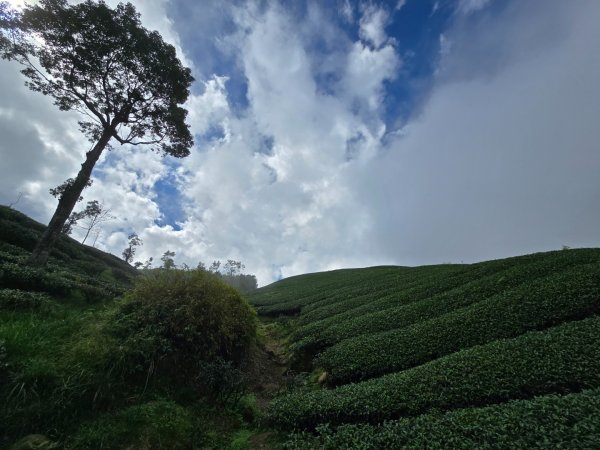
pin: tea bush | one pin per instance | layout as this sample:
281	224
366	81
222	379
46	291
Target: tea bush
16	299
565	358
551	421
521	270
572	294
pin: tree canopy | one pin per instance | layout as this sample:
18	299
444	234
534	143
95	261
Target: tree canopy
103	63
127	83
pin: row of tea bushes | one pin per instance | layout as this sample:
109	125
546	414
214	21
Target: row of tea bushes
565	358
551	421
569	295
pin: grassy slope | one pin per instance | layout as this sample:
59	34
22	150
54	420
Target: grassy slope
450	336
64	376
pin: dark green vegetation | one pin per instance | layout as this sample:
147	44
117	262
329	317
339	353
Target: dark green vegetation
450	356
552	421
500	354
94	355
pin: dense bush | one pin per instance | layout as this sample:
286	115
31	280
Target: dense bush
565	358
173	320
568	295
569	421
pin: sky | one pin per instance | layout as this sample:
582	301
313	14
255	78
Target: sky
332	134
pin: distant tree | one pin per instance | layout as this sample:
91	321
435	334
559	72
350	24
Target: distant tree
125	81
97	234
201	266
215	267
232	275
133	242
148	264
168	261
93	215
233	268
10	205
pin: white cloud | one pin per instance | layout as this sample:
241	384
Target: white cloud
372	26
347	11
366	71
503	159
470	6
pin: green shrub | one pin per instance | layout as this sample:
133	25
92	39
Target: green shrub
175	320
569	295
569	421
565	358
16	299
158	424
220	380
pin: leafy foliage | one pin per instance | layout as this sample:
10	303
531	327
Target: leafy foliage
562	296
565	358
551	421
396	313
104	64
16	299
174	320
158	424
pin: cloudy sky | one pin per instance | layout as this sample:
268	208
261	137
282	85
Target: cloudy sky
346	133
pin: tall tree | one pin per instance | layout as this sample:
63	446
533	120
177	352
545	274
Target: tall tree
127	83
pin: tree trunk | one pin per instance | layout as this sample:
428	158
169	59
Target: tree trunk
67	202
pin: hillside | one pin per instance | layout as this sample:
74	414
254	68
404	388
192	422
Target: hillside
74	270
94	354
498	354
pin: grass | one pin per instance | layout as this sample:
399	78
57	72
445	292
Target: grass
67	341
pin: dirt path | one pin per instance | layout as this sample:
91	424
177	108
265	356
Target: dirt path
268	377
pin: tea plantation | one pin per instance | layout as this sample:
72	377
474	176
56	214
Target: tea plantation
498	354
94	354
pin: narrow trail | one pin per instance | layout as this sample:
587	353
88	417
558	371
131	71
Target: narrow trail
269	376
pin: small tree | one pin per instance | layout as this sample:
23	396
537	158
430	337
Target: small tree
93	215
215	267
133	242
233	268
168	261
125	81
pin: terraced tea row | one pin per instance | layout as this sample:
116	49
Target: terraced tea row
572	294
565	358
551	421
320	334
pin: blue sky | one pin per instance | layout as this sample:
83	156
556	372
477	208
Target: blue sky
346	133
